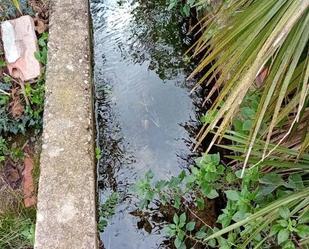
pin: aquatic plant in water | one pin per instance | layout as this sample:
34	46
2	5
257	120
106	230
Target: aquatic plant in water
259	210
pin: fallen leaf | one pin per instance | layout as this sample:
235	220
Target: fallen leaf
41	9
16	107
261	77
40	26
11	174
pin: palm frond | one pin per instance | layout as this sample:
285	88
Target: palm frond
276	38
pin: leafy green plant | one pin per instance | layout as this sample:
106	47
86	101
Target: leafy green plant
178	229
185	7
3	149
16	231
204	179
2	64
98	153
35	95
41	55
33	110
107	210
262	210
21	108
257	51
206	174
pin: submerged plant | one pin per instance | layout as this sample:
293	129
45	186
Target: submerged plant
107	210
205	178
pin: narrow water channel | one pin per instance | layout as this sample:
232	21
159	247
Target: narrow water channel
143	107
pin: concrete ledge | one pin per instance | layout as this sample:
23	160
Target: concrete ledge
66	215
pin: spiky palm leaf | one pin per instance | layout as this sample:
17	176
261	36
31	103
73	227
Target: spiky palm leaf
282	158
258	35
297	202
17	5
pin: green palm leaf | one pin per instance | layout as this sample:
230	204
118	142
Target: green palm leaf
276	38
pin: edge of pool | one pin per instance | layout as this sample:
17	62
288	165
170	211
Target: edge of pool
66	212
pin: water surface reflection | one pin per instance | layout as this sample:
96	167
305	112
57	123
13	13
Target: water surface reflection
142	104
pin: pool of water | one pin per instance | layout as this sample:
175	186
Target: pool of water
143	107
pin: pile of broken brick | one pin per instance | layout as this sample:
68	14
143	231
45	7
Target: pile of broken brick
20	45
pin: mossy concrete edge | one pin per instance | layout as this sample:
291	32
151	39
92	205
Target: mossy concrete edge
66	212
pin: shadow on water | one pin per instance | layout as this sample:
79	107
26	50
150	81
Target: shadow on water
143	107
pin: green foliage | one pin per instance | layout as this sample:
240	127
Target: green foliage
266	53
178	230
107	210
32	115
10	8
98	153
262	210
35	94
258	54
41	55
206	175
185	7
145	190
17	228
3	149
2	64
204	178
202	181
33	100
16	231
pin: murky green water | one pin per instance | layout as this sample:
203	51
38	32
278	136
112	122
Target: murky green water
143	107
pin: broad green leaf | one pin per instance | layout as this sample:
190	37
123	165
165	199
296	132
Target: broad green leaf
200	203
176	218
304	218
177	202
177	242
186	10
288	245
190	226
213	194
303	231
283	236
240	215
272	179
182	220
201	235
284	212
232	195
296	181
275	229
247	125
283	223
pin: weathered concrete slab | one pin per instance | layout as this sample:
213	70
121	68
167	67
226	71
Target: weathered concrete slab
66	201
